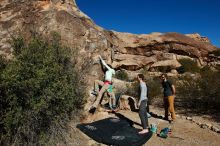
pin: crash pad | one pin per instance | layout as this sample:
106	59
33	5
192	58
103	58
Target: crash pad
115	131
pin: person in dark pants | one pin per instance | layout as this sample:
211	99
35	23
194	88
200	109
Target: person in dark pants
142	104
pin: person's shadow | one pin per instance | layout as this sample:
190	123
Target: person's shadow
132	103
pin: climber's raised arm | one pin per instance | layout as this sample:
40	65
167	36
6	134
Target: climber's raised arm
103	62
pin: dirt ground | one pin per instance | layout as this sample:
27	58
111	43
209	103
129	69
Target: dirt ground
184	132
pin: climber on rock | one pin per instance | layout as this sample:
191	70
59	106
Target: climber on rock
106	85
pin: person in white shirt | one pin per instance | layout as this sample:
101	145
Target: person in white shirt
106	86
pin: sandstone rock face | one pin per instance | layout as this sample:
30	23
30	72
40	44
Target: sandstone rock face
171	63
157	47
122	50
132	62
77	31
197	37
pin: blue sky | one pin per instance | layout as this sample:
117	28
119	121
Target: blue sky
146	16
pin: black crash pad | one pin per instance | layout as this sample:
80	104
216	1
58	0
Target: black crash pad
114	131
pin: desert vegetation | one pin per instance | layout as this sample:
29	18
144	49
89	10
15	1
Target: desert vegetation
200	92
39	92
188	65
122	75
198	88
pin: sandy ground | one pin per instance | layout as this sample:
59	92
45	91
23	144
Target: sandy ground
184	132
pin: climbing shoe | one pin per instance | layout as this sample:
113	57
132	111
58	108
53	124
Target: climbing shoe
94	93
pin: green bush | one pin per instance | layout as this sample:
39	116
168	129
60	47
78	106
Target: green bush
189	65
3	64
202	92
122	75
133	89
40	89
154	87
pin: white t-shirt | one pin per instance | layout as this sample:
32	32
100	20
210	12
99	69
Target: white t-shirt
109	72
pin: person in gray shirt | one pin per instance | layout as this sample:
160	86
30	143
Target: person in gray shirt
142	104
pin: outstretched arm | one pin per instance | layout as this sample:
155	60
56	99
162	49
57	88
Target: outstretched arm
103	62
